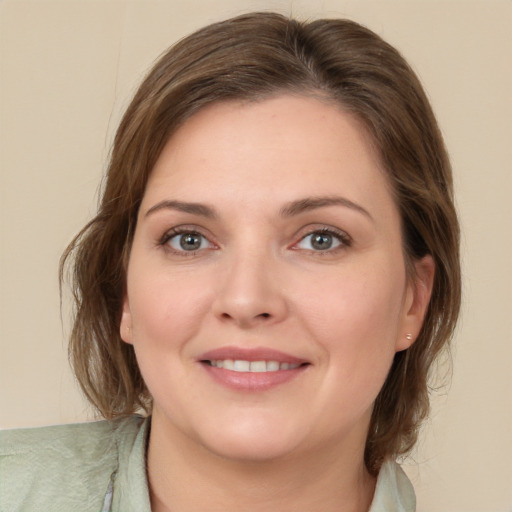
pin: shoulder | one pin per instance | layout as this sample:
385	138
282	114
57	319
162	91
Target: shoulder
61	467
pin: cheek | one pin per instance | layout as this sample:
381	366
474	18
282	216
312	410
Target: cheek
356	304
167	312
355	320
166	308
355	326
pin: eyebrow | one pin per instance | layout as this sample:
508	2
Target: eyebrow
312	203
193	208
289	210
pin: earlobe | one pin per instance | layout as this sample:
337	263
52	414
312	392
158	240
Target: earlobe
419	291
125	326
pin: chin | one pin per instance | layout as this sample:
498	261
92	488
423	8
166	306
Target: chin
253	451
252	442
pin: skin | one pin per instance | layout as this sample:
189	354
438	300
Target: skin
257	281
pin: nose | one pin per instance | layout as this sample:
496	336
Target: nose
249	292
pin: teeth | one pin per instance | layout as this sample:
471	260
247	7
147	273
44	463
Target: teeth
252	366
227	364
241	366
272	366
258	366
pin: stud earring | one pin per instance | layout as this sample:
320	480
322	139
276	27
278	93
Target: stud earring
409	336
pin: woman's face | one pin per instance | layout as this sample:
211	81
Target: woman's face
266	288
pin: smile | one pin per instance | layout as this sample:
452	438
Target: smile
252	369
240	365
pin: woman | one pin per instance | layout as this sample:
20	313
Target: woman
271	274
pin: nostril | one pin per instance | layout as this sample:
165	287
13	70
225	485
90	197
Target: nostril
265	315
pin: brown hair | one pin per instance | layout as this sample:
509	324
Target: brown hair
251	57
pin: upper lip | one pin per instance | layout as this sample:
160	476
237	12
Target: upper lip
250	354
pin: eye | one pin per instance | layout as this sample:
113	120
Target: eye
323	240
187	241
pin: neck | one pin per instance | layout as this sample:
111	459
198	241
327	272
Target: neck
186	477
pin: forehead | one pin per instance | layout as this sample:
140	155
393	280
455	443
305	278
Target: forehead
282	147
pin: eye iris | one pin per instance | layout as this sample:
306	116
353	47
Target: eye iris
190	241
321	241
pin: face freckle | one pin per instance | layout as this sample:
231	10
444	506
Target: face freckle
268	235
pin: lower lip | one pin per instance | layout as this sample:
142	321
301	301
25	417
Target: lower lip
252	381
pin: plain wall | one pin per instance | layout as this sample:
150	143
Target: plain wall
67	72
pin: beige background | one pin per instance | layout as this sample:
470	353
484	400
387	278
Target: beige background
68	70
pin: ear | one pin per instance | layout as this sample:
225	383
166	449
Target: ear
125	327
417	298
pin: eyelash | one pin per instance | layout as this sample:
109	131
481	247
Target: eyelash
343	238
181	230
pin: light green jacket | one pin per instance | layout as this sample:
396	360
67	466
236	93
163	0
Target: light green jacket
100	467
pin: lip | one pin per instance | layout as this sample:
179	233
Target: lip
251	381
250	354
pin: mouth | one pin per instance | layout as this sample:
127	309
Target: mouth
241	365
252	369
